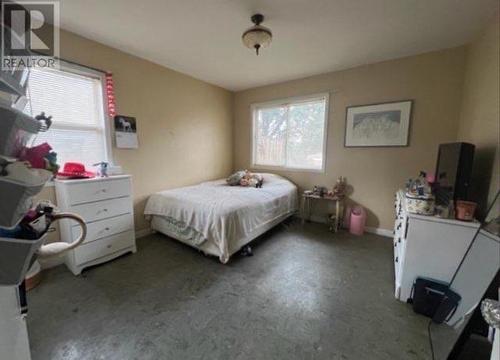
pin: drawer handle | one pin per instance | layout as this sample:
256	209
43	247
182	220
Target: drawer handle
109	246
396	259
103	230
101	211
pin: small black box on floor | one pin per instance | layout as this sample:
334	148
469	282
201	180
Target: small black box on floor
434	299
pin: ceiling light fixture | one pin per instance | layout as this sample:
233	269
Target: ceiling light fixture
257	36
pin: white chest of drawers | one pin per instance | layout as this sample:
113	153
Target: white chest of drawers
107	207
426	246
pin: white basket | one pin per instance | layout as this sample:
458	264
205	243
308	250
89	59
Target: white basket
16	128
16	257
17	190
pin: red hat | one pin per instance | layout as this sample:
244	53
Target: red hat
74	170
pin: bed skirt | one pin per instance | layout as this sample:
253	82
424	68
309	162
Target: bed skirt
164	226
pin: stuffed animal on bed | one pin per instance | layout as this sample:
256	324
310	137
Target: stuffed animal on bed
245	178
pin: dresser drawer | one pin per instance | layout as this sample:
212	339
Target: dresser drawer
103	209
80	193
96	249
103	228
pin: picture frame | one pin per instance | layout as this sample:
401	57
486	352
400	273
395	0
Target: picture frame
125	132
378	125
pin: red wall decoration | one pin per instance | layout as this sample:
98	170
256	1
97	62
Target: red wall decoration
110	95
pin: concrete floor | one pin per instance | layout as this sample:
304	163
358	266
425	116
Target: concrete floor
305	294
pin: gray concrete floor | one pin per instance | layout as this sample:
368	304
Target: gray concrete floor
305	294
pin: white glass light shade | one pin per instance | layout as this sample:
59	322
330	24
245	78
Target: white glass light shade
257	37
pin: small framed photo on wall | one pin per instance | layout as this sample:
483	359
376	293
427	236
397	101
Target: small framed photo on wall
126	132
384	124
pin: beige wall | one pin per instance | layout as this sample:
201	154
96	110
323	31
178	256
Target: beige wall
433	81
184	125
480	114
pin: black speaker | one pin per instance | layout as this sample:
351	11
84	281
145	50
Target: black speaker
453	172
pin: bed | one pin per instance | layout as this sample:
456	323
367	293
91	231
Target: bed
219	219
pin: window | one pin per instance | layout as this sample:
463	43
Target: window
73	96
291	133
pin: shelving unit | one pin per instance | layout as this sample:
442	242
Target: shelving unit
14	82
16	255
18	182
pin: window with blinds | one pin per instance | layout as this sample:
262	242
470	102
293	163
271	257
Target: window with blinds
74	99
290	133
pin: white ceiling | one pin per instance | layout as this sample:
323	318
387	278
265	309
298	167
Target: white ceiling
202	38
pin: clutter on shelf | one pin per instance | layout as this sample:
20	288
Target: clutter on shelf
319	190
338	190
18	184
17	128
21	245
419	197
41	157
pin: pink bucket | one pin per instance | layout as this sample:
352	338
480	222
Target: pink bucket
358	219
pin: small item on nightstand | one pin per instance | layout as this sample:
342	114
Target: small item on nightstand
339	189
319	190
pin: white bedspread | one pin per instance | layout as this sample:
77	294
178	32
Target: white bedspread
223	213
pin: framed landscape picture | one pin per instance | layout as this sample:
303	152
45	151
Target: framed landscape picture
385	124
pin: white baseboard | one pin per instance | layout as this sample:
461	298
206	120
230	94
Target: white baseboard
143	232
379	231
369	229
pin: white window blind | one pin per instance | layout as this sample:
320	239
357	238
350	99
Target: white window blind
75	102
290	134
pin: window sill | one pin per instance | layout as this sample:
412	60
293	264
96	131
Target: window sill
286	169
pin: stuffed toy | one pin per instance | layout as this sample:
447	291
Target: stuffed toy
245	178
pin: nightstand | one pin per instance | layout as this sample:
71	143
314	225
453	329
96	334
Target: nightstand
334	219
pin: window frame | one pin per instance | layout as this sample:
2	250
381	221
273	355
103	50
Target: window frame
82	70
287	102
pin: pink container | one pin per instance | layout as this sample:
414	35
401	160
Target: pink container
358	219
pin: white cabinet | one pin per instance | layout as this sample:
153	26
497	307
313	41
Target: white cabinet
107	208
426	246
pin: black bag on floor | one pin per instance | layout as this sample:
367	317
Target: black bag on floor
434	299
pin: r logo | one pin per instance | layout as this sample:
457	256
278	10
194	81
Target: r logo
30	31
